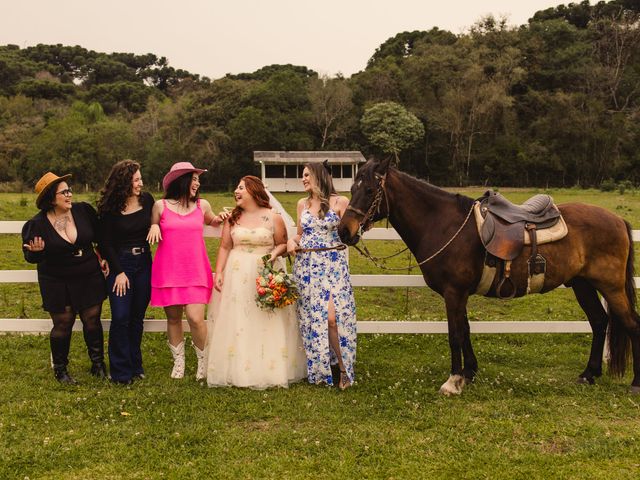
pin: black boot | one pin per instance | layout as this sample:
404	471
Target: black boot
61	374
59	358
99	370
95	348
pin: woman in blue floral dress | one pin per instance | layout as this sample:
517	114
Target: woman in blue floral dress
326	308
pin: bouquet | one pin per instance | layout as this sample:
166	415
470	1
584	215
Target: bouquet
275	289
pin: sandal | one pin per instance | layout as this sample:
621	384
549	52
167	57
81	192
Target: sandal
344	380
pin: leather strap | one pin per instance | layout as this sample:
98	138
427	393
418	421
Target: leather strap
341	246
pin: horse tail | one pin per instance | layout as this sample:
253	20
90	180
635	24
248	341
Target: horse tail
619	341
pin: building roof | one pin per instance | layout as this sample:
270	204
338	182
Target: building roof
298	158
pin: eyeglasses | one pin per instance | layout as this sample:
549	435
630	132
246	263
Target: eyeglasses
67	192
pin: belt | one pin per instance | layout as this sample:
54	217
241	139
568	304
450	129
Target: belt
135	250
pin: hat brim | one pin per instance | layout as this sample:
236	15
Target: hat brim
171	176
63	178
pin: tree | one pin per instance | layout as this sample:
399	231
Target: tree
391	128
402	45
19	122
265	73
115	96
82	141
331	105
45	89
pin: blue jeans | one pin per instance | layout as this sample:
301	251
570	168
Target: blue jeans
127	315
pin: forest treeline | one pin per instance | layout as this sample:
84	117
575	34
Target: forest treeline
555	102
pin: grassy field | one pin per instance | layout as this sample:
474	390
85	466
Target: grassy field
524	417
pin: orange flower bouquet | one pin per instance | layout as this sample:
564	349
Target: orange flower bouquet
275	288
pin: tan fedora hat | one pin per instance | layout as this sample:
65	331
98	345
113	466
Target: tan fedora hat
177	170
47	181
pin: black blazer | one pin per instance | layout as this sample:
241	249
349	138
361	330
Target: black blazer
59	257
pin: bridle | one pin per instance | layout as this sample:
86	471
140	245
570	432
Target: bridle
366	223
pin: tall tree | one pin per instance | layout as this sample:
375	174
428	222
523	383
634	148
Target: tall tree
331	106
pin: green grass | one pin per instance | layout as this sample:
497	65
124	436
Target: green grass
524	417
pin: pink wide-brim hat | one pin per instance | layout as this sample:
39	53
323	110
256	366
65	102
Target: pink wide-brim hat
177	170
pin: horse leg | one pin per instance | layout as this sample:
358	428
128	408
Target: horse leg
587	297
624	320
456	304
635	350
470	361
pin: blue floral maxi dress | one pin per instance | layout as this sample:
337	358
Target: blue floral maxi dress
321	276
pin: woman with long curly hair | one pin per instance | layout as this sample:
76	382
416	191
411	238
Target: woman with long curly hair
125	216
326	306
250	347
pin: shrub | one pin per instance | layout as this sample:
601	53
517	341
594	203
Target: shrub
624	186
608	185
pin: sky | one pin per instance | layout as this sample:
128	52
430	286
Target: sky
216	37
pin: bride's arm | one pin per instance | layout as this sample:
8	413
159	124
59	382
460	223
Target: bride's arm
279	237
294	241
226	244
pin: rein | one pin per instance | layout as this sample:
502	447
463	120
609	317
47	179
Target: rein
340	246
375	206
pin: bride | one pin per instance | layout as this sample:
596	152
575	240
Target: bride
250	347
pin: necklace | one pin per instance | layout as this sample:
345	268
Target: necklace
60	223
180	206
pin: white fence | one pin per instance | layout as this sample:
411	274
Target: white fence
378	280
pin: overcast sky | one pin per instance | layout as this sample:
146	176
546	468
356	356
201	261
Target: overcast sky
215	37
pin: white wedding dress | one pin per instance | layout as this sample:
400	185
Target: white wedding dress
248	346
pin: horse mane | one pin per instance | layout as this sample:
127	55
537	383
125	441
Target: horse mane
463	202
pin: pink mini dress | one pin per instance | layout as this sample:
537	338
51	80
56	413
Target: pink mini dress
181	272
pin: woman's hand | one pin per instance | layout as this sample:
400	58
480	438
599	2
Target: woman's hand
291	246
121	285
219	281
219	218
35	245
154	235
104	266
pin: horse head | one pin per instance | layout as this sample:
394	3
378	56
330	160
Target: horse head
368	201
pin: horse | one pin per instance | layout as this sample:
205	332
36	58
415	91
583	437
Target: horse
595	256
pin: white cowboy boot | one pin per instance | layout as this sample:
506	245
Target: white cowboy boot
178	360
201	372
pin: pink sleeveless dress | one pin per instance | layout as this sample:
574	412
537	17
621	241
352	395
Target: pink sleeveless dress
181	272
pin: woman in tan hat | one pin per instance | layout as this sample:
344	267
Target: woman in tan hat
181	277
60	240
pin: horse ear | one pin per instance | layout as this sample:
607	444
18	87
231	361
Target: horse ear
383	165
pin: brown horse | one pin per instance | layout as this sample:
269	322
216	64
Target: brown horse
595	256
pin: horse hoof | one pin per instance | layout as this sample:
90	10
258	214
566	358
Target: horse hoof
635	390
453	386
585	381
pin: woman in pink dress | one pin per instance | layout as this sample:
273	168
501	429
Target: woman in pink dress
181	279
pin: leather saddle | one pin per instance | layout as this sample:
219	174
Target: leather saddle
503	230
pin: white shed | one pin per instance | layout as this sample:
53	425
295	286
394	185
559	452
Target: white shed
282	171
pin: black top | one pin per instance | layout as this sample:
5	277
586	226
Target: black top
125	231
59	257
